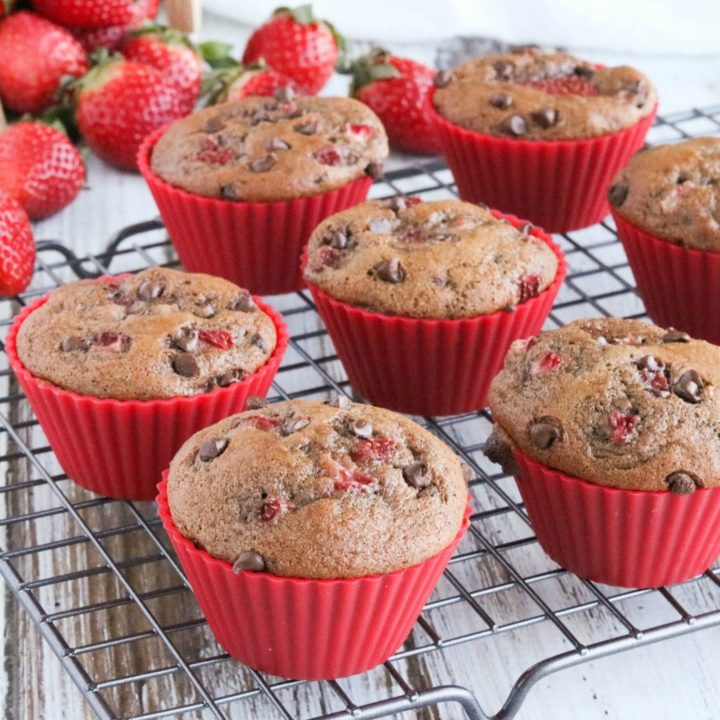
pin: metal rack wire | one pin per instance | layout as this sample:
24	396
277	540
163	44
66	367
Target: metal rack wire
99	581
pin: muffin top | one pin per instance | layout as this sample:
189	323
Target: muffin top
323	490
542	96
615	402
673	191
157	334
264	149
443	259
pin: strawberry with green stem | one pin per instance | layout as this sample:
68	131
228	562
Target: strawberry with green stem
294	43
398	90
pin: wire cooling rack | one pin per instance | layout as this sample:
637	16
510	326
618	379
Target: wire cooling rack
97	577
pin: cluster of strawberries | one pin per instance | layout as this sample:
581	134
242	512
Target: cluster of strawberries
103	72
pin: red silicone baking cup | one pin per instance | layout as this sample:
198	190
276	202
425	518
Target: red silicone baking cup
119	447
305	628
627	538
559	185
257	245
431	366
680	286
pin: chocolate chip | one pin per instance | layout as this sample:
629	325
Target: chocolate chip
73	342
672	336
515	125
633	86
681	482
651	363
242	302
503	70
249	560
292	424
258	342
214	124
546	117
584	71
150	290
689	386
186	339
501	101
278	144
185	365
397	203
337	240
498	450
374	170
390	271
263	164
416	474
229	192
206	310
229	378
340	401
545	432
525	228
306	128
210	449
361	428
255	402
466	472
618	194
442	78
380	225
284	94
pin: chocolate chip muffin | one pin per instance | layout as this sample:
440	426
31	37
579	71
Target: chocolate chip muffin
322	490
158	334
443	259
616	402
542	96
265	149
673	192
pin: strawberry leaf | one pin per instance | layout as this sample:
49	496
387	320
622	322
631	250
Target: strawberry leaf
217	54
302	14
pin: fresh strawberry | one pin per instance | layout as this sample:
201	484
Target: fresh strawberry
112	36
17	247
398	90
119	103
234	83
86	13
42	169
296	44
170	52
35	56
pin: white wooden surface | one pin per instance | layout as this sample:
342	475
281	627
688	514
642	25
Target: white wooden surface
676	678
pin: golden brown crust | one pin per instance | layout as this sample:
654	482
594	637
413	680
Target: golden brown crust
157	334
261	149
537	96
443	259
318	491
673	192
616	402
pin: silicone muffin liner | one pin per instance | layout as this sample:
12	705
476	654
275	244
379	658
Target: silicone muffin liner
119	447
559	185
257	245
627	538
425	366
679	285
306	628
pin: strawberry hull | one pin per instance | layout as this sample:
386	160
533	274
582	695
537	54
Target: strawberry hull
119	447
426	366
559	185
306	628
257	245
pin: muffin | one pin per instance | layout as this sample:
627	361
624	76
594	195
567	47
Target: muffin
611	428
122	360
258	174
288	510
415	294
666	205
524	131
